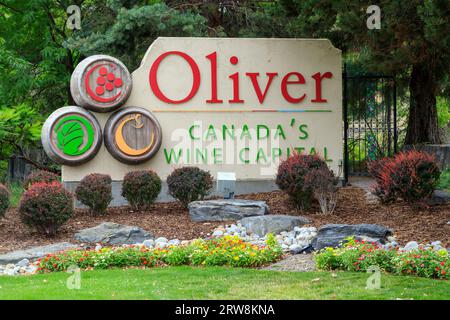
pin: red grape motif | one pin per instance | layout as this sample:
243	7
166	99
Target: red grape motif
107	80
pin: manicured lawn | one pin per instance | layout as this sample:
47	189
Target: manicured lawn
219	283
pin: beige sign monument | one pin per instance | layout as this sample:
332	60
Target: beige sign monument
231	105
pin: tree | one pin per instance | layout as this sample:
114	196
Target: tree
128	28
413	37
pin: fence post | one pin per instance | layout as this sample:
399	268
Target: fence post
345	116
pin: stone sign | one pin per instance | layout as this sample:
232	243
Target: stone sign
224	105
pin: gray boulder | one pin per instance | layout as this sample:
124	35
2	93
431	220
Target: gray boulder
113	233
439	197
35	252
331	235
226	209
262	225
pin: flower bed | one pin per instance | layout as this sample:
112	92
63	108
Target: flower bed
359	256
225	251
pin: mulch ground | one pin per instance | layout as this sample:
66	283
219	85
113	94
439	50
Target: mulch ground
170	220
424	224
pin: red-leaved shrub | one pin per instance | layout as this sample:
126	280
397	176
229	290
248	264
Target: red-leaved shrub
323	184
94	191
141	188
411	176
46	207
4	200
39	176
291	177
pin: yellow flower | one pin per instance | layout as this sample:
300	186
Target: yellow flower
236	258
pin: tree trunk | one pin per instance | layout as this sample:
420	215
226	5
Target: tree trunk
423	122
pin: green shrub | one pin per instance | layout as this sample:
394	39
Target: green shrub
444	180
228	251
291	177
189	184
4	200
424	263
360	255
411	176
94	191
141	188
40	176
46	207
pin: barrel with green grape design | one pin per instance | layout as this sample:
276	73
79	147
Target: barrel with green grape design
71	135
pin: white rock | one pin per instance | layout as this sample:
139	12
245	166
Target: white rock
161	244
31	268
412	245
9	272
98	247
161	239
149	243
217	233
23	263
174	242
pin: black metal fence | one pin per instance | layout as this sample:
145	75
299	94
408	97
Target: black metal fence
370	120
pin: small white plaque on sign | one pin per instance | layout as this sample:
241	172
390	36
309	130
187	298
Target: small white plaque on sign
228	176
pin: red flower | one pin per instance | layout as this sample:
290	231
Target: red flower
443	272
442	263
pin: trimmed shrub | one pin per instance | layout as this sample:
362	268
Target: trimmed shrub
291	177
40	176
46	207
323	184
189	184
141	188
94	191
4	200
411	176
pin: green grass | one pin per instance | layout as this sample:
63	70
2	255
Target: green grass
16	190
218	283
444	181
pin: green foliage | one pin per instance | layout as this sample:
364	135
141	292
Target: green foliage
444	180
20	128
141	188
46	207
127	32
361	255
225	251
16	193
94	191
4	200
189	184
443	110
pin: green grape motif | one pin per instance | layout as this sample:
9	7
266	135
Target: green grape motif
71	133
